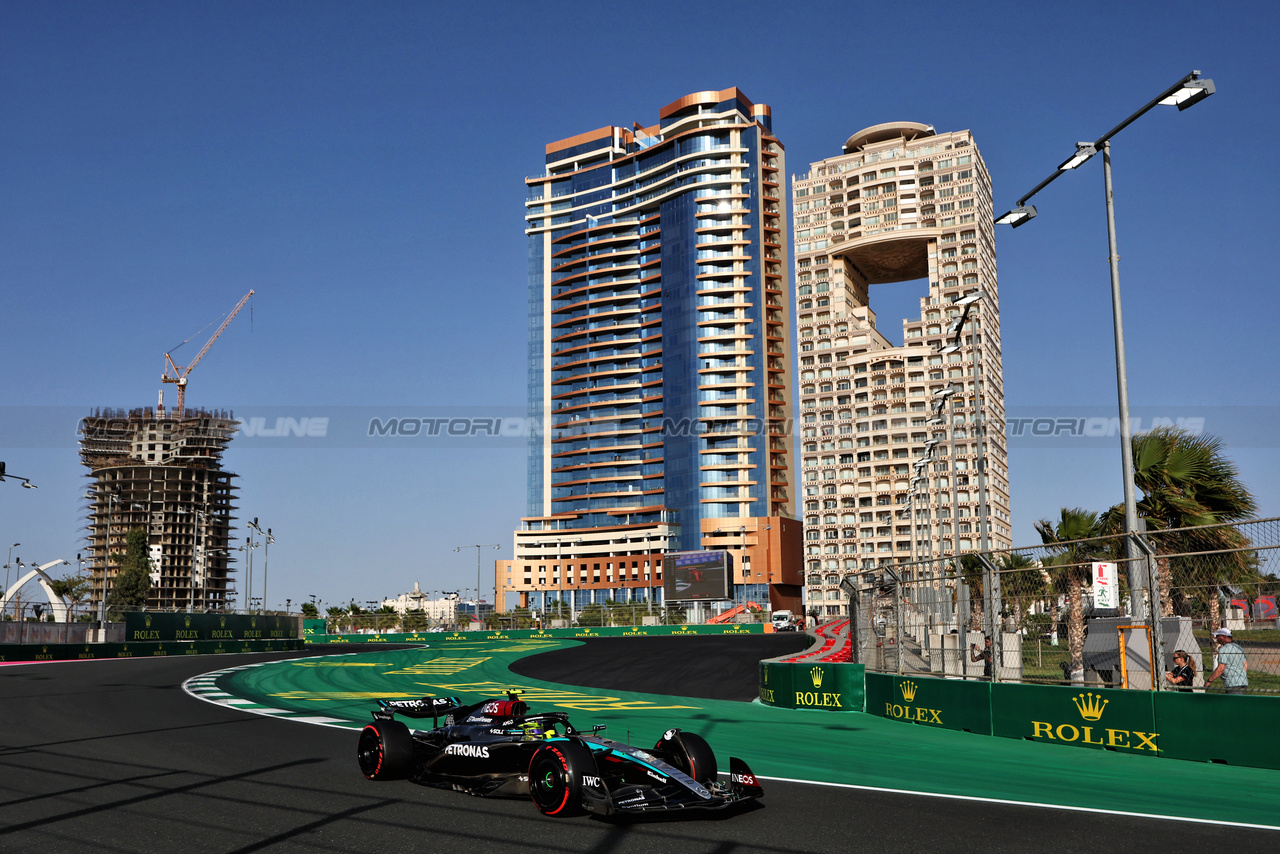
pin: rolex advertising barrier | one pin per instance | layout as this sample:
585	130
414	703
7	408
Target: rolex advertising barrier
13	653
812	685
1235	730
155	634
314	632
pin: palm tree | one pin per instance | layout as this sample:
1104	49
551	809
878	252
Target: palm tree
1020	577
1186	482
1070	540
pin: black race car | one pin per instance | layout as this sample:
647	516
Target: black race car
495	748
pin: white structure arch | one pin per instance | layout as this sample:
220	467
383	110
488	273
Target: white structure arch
55	601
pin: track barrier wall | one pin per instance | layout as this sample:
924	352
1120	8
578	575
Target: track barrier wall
12	653
145	626
812	685
945	703
313	632
1234	730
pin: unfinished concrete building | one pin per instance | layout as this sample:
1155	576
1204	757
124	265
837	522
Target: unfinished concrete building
163	474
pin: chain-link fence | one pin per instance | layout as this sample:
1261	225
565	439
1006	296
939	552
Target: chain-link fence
1077	611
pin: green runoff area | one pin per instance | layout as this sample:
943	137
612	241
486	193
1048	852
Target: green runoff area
842	748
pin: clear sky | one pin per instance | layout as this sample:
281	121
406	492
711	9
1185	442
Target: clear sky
360	166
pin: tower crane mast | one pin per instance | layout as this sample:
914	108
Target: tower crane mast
178	376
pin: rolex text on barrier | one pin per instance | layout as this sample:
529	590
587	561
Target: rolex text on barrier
146	626
15	653
1077	716
831	686
957	704
313	631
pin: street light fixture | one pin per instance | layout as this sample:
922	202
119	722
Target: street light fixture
26	484
1188	91
1021	215
1084	150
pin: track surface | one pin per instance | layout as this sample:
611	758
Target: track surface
113	756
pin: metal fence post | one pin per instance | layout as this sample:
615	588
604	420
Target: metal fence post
994	628
855	636
1154	609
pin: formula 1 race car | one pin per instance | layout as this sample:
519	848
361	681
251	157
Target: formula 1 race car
495	748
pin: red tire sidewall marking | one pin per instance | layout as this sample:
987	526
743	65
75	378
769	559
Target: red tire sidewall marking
381	755
564	765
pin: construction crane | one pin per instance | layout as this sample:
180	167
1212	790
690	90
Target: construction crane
179	375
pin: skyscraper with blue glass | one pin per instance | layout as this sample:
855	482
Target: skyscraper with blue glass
659	360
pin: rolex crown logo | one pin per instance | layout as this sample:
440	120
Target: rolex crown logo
187	622
147	620
816	675
1090	705
908	691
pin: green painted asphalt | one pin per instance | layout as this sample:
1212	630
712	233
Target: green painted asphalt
808	745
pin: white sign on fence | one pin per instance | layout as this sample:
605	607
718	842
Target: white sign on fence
1106	586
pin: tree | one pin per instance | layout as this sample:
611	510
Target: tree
1069	567
72	589
132	581
416	620
1020	578
309	610
592	615
1186	482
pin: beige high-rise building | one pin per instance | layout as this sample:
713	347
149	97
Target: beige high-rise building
902	456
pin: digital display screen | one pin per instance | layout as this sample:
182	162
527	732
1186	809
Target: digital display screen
696	576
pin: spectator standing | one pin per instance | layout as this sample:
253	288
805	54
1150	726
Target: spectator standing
1233	667
983	655
1183	672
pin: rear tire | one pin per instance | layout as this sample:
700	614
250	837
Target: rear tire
692	755
555	778
385	751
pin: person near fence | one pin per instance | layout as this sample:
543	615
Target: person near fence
1233	667
1183	673
983	655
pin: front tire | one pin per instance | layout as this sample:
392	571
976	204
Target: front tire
691	754
385	751
555	778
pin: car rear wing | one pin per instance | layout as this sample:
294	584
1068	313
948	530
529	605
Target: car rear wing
424	707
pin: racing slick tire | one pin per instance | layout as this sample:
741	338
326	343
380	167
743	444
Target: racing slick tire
555	778
692	755
385	751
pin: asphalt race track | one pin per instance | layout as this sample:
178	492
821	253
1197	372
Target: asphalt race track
113	756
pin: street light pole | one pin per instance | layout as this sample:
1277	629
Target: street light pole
478	547
1190	90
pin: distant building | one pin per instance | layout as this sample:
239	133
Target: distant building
442	610
890	457
660	351
164	475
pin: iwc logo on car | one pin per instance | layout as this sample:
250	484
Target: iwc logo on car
905	712
1091	707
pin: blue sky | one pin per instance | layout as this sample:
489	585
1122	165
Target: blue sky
360	166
